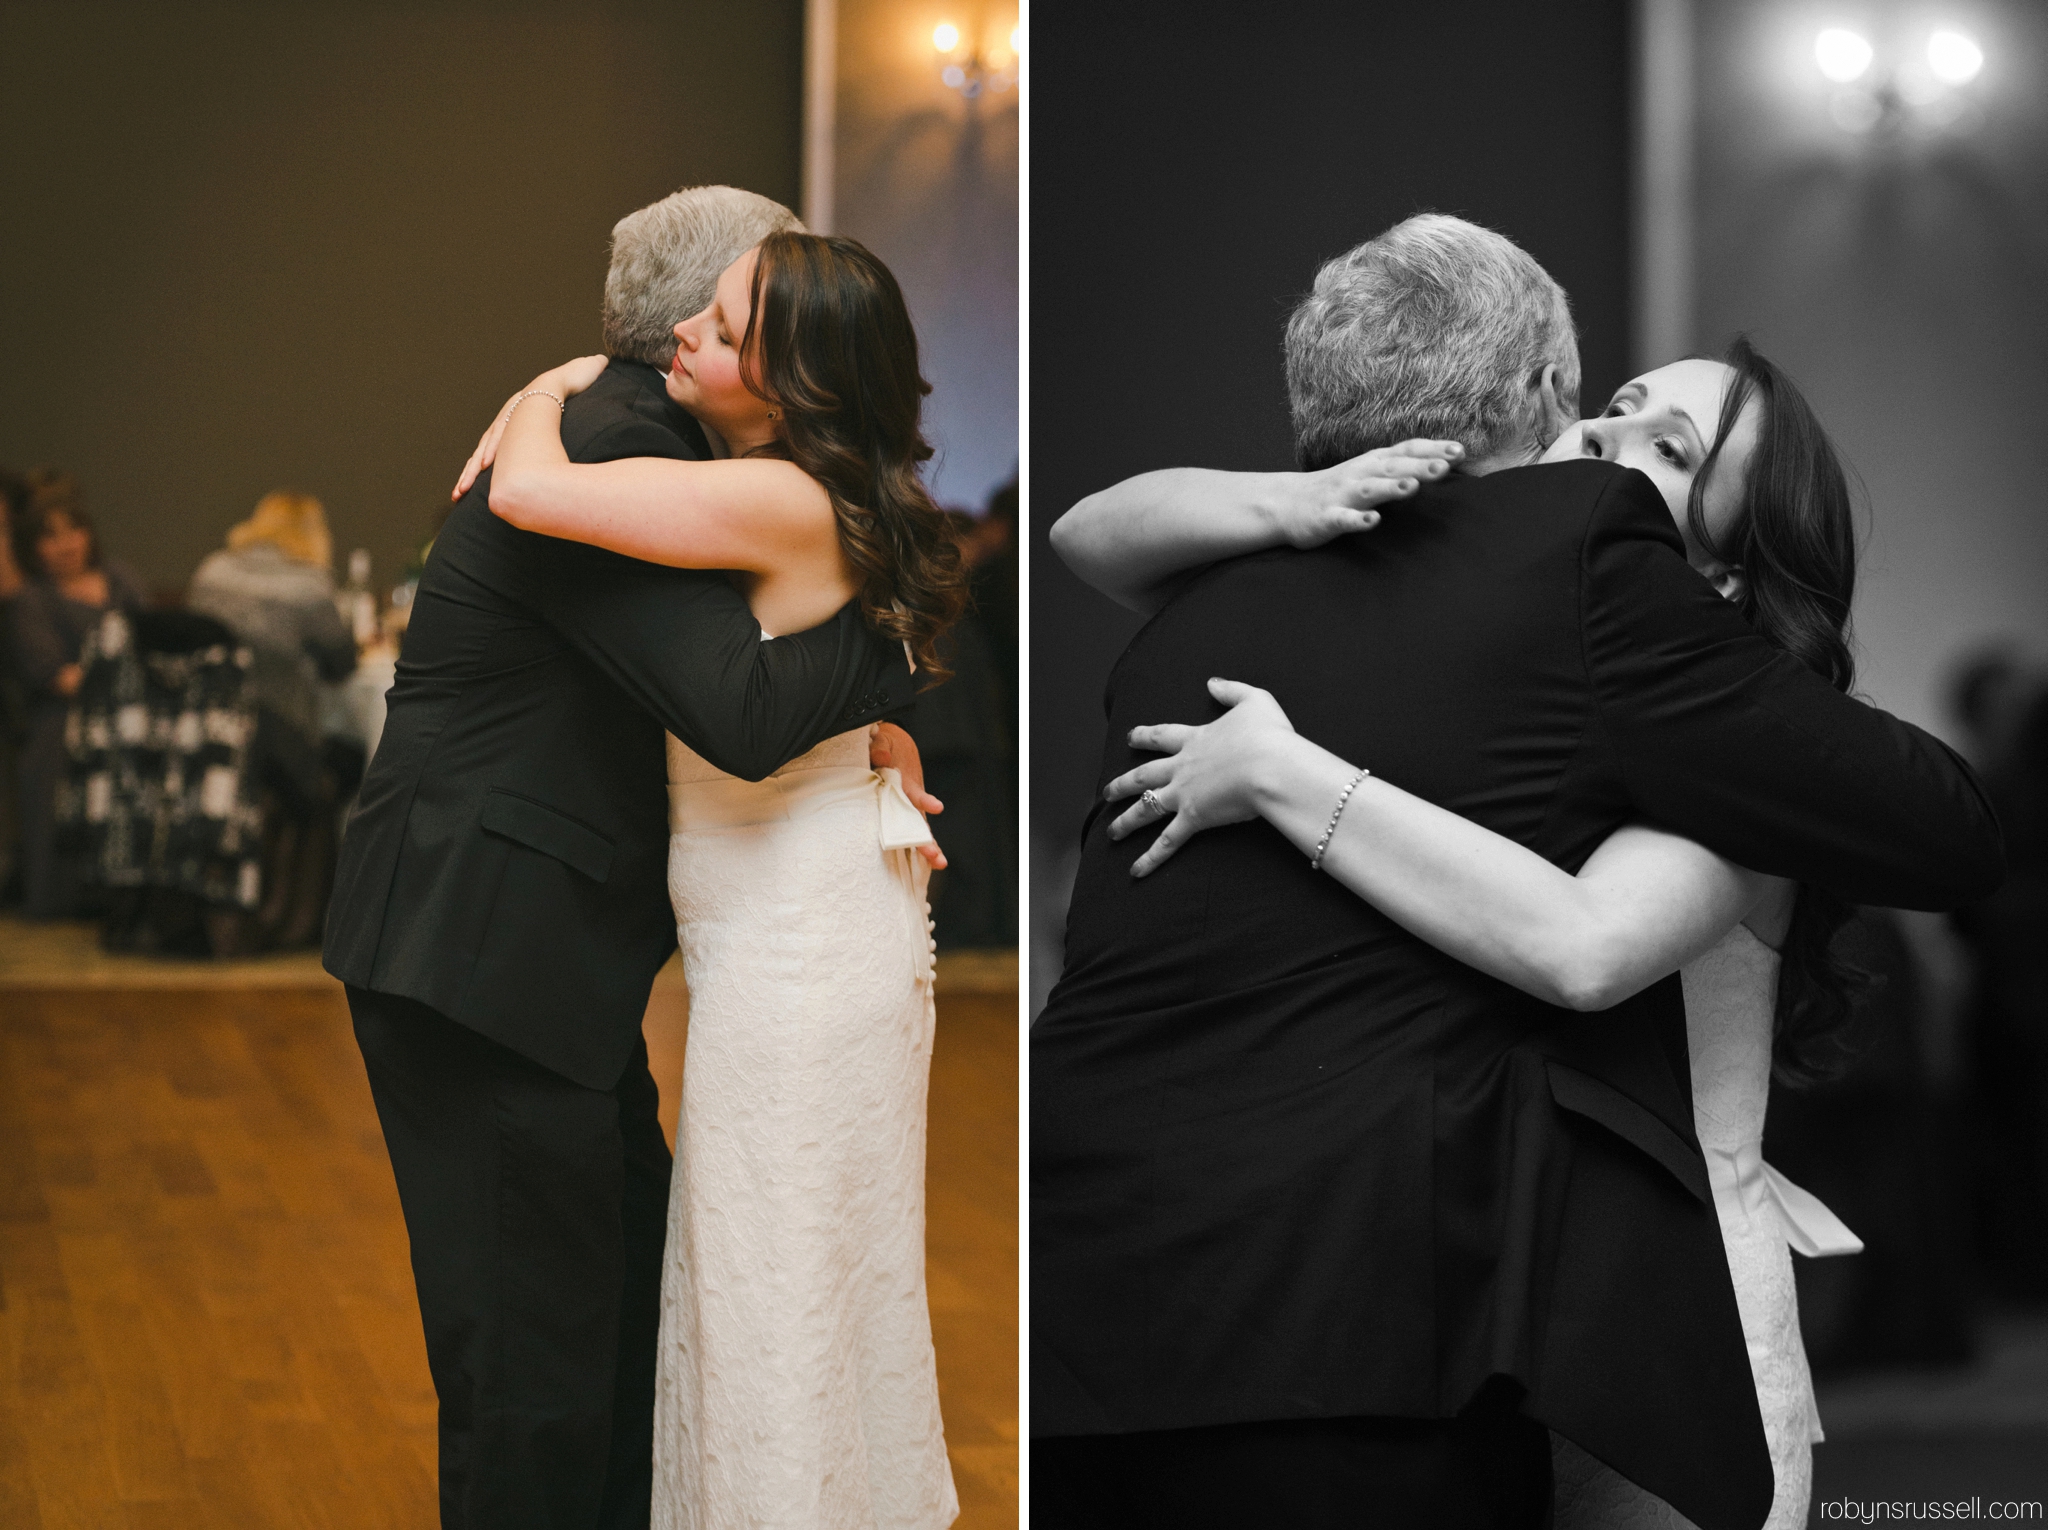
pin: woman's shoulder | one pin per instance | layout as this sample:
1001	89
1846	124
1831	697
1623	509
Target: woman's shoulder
216	566
787	476
779	482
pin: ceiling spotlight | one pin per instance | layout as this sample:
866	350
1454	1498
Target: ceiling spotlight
945	37
1954	58
1843	56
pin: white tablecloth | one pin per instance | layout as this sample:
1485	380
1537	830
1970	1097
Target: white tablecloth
355	708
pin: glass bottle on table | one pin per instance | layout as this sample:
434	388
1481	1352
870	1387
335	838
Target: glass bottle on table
356	602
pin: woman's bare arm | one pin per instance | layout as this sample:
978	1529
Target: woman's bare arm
758	515
1642	906
750	513
1137	539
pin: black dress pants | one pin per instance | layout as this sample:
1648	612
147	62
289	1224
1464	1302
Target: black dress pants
1487	1469
536	1209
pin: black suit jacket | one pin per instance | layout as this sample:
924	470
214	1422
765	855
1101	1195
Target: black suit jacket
507	862
1289	1161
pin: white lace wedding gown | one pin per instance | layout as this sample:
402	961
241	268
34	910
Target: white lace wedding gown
1730	997
796	1385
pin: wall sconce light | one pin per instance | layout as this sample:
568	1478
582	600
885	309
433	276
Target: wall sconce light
1918	92
971	69
1954	59
1842	55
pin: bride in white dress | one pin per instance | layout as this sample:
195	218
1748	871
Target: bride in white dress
796	1386
1777	541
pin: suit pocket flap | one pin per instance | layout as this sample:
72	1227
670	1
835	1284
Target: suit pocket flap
551	833
1584	1095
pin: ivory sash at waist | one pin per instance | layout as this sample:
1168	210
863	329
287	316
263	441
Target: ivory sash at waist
725	802
1809	1227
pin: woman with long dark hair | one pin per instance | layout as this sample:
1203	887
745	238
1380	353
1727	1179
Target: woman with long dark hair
1763	508
69	587
796	1381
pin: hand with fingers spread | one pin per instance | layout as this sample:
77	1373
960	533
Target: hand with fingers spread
1139	540
1211	774
561	383
1338	500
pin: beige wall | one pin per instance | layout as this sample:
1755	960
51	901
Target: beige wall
250	245
1905	284
928	181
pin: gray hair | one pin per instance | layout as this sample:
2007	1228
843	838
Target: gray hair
1436	328
666	259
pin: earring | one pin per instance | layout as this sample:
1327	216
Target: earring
771	414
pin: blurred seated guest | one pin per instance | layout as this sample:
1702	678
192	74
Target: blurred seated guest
1881	1143
2002	704
965	731
14	496
273	585
13	714
69	585
1989	696
991	557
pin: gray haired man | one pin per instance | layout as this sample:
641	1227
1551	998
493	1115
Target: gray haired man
1436	328
501	908
1327	1228
666	259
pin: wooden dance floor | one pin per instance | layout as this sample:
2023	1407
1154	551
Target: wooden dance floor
206	1313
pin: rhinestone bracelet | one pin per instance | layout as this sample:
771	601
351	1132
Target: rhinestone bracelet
529	393
1315	862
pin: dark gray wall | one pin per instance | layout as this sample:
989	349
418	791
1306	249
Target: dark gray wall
255	245
1192	166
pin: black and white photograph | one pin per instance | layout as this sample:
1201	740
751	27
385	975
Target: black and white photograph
1537	758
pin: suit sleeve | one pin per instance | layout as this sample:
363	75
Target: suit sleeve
1727	740
683	644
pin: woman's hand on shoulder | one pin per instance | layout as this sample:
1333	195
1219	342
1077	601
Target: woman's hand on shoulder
565	382
1212	774
1338	500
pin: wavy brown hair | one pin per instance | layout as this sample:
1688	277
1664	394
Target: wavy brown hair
1794	537
830	345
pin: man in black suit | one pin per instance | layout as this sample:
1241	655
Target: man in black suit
1327	1228
501	909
